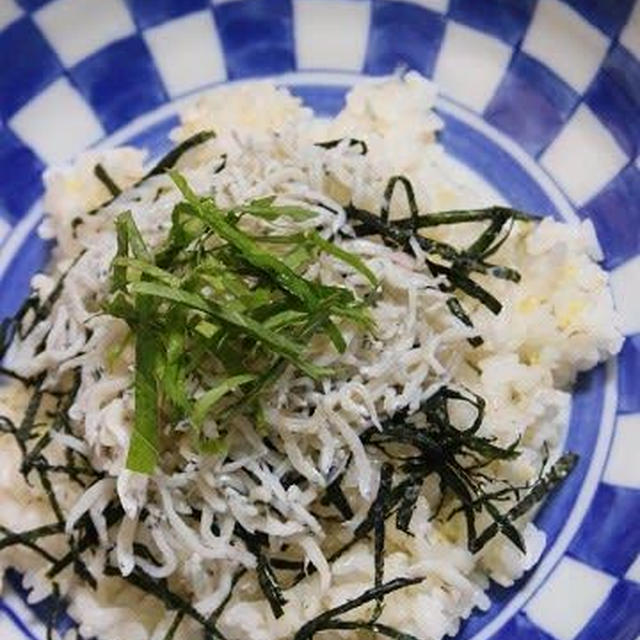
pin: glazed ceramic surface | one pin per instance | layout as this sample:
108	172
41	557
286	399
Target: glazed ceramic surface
540	98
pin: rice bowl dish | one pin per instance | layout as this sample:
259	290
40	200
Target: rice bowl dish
299	377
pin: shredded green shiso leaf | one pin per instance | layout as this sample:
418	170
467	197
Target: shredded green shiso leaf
217	306
227	311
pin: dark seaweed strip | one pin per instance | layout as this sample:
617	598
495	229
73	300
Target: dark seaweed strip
167	162
10	325
55	611
438	446
353	142
213	618
223	163
24	432
401	232
362	531
31	535
466	284
266	578
407	506
455	307
374	627
285	564
324	620
7	425
334	495
50	493
144	552
72	471
461	263
101	173
558	472
171	631
79	567
43	310
27	539
411	200
463	216
31	459
505	527
170	159
12	374
34	457
486	238
379	512
172	601
112	515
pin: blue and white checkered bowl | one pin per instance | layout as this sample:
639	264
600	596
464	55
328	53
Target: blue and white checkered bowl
541	98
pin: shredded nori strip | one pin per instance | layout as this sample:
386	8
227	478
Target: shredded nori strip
12	374
353	142
223	164
170	159
411	200
266	577
334	495
401	233
171	631
378	514
328	619
213	618
101	173
541	488
56	608
10	325
29	538
112	514
172	601
42	309
167	162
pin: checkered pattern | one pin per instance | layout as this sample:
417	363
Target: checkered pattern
561	80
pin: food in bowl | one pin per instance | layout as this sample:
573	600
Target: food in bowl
296	378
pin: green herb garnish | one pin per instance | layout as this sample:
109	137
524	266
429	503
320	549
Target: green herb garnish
214	304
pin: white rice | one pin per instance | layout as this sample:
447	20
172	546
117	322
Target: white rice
557	321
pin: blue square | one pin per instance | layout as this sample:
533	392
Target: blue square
32	5
147	14
618	618
33	65
609	520
20	169
403	35
521	628
531	104
615	213
155	139
628	375
257	37
507	20
614	96
120	82
608	15
325	100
